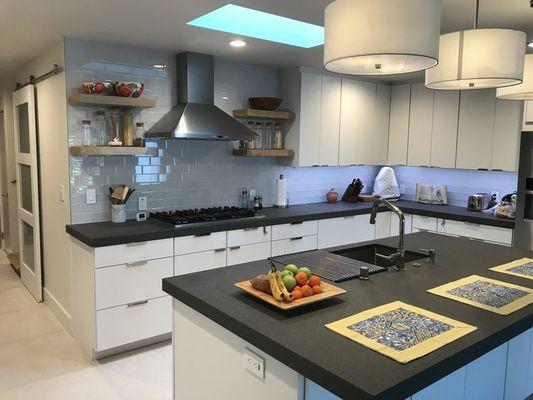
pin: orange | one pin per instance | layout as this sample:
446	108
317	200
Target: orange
314	281
297	294
307	291
317	289
301	278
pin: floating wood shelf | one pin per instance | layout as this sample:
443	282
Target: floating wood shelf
251	113
110	101
263	153
82	151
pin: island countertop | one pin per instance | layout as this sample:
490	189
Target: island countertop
300	340
99	234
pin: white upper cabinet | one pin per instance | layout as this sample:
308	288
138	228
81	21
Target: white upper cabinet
330	120
357	121
381	127
399	124
476	128
506	141
310	111
420	126
444	132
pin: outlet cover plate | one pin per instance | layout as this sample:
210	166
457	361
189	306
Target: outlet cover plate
254	363
143	203
90	196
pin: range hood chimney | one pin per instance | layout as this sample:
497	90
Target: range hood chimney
196	116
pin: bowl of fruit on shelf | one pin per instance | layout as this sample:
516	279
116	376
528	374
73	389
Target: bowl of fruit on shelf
290	288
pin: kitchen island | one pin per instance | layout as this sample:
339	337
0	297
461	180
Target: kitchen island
214	323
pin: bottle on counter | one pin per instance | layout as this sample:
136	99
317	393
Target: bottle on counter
139	134
86	132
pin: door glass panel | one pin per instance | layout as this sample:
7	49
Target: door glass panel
27	246
24	128
25	187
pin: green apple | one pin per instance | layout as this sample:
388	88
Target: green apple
289	282
291	267
285	273
307	271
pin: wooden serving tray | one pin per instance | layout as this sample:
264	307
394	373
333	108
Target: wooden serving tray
328	291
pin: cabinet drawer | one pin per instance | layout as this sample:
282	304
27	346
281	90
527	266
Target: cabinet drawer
127	283
241	237
248	253
481	232
395	224
345	230
197	243
129	323
294	245
288	231
132	252
196	262
421	223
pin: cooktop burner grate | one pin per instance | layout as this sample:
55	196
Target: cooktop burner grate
191	216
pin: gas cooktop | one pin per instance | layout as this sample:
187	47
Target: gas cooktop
203	215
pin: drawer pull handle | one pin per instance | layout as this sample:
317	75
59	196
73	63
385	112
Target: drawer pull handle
265	230
251	229
471	223
136	264
137	303
202	234
134	244
297	223
297	238
235	248
349	217
220	250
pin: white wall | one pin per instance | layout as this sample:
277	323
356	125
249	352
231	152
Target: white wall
7	85
51	102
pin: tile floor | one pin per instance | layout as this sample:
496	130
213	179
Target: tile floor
40	360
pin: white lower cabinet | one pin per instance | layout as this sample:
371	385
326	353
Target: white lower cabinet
248	253
295	229
126	324
294	245
395	224
345	230
196	262
383	225
424	224
475	231
128	283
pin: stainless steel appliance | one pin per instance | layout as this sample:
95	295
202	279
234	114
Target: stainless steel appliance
196	116
523	236
204	215
478	201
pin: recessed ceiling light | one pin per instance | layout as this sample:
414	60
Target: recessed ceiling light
261	25
238	43
530	45
159	66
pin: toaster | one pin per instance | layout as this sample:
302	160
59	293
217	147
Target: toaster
478	201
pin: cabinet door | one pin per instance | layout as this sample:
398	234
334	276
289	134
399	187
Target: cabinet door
506	141
452	386
476	128
345	230
357	104
395	224
311	105
420	125
381	127
383	225
330	120
248	253
485	376
444	132
517	384
399	124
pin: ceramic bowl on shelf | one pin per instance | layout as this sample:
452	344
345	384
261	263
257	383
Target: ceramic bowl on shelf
265	103
98	88
129	89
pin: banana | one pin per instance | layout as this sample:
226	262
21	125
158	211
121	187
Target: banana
286	296
274	287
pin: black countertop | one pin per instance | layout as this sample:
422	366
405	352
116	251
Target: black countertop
299	339
101	234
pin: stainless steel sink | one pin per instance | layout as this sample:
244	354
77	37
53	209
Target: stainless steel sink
367	254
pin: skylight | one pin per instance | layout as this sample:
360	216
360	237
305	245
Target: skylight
261	25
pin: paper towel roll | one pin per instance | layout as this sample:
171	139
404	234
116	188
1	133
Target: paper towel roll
281	189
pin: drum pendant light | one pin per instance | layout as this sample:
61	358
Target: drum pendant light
478	59
524	91
381	37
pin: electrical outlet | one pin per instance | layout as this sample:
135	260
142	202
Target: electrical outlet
90	196
143	203
254	364
61	193
495	193
402	189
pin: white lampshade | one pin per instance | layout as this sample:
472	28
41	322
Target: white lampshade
380	37
524	91
478	59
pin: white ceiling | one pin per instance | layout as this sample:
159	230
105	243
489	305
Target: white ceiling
27	27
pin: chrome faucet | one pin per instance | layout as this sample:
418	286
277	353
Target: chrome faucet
399	257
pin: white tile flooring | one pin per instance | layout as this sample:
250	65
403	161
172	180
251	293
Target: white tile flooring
40	360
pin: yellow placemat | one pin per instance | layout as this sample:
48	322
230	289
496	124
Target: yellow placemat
522	268
401	331
489	294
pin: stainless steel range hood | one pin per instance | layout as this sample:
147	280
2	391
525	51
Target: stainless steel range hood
196	116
